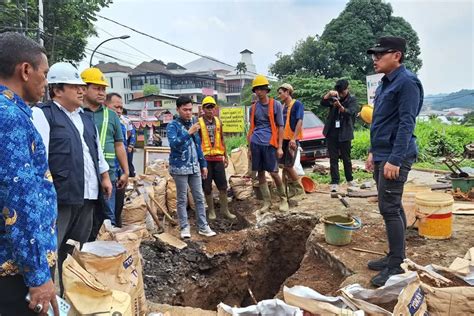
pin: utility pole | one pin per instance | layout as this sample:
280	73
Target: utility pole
26	16
40	22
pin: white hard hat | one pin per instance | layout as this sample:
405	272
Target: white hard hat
64	73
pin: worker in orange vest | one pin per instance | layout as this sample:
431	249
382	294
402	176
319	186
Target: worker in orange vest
265	138
212	144
293	113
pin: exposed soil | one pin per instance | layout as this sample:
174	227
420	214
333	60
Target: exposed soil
224	268
454	279
264	254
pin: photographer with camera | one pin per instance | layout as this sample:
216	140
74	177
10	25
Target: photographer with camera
339	130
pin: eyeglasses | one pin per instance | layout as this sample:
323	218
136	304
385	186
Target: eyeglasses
378	56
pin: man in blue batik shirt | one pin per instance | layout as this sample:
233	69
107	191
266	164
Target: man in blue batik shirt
27	196
393	149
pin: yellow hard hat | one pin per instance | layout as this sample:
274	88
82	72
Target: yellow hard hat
366	113
260	80
95	76
208	100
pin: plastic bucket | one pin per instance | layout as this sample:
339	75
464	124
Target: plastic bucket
435	213
463	184
338	229
409	204
308	184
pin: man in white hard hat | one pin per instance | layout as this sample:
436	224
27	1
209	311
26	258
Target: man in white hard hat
79	170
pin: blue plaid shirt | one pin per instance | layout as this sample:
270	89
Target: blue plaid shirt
27	196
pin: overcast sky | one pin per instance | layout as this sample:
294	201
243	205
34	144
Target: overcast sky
222	29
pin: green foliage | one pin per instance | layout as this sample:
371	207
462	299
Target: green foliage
434	140
149	89
233	142
67	24
360	144
462	99
468	119
341	50
359	175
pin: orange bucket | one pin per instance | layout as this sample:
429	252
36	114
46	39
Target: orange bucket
308	184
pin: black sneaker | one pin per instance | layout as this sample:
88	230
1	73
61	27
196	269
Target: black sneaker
379	264
380	279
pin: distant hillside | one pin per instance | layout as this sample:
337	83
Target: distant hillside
461	99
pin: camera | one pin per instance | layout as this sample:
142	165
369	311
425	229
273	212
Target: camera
334	99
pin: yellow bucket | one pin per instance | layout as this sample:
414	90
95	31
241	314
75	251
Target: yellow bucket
435	213
408	201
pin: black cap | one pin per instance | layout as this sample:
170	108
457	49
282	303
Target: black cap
388	43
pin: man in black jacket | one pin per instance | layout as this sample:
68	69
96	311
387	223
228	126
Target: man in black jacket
77	165
339	130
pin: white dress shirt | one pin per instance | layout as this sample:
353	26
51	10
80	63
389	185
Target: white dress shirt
42	126
91	182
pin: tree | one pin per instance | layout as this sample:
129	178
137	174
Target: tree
149	89
241	69
341	49
67	24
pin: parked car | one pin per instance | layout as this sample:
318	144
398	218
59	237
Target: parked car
314	143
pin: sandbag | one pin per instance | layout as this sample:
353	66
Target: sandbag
158	168
449	300
241	186
411	300
134	210
130	237
239	158
88	296
113	265
170	194
160	194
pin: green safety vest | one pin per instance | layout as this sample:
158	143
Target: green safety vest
103	135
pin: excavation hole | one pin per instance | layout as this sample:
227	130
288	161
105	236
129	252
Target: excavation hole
261	259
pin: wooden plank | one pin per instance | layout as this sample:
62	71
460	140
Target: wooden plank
362	194
171	240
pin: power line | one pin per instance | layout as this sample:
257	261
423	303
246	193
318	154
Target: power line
169	43
124	42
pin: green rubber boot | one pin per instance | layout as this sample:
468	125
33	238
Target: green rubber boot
211	213
225	205
266	198
284	207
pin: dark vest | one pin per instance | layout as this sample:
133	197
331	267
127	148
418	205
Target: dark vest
66	161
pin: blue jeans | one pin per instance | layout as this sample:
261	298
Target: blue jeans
109	210
195	183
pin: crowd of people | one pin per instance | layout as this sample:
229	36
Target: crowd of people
65	163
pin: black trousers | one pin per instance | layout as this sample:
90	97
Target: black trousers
74	222
119	201
13	293
131	167
390	205
342	150
12	297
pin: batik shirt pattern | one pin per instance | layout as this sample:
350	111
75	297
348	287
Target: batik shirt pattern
186	155
27	196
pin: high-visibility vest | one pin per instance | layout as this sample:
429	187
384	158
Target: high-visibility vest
271	117
288	133
103	135
208	150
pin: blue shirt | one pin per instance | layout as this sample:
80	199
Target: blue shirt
398	101
263	130
118	169
297	113
27	196
186	155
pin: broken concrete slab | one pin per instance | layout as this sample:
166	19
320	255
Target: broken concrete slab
171	240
